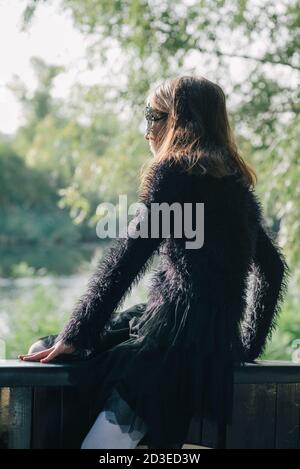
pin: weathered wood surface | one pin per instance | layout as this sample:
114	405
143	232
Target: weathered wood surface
21	373
40	408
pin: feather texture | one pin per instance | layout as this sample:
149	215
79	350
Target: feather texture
221	298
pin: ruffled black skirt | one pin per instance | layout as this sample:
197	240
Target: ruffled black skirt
164	386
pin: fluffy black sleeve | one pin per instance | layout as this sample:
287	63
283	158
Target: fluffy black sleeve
268	282
121	268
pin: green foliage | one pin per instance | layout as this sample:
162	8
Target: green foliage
29	211
20	185
31	318
281	192
23	270
81	147
281	345
43	224
36	260
70	155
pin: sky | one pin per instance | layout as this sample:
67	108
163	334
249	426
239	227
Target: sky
51	37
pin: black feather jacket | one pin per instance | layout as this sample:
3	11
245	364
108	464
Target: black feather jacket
209	308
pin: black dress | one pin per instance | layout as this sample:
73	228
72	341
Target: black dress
116	409
199	322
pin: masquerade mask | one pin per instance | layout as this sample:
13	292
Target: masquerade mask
152	116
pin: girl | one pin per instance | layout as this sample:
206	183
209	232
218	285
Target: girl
210	308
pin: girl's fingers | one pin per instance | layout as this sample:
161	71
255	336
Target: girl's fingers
50	356
37	355
47	355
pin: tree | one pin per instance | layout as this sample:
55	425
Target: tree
157	39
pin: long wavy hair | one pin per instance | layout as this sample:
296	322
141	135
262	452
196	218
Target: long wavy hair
196	126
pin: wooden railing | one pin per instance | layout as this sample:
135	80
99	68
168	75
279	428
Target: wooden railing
39	408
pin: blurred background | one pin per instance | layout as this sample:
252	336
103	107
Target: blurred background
73	81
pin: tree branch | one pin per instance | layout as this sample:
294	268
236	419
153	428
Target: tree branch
263	60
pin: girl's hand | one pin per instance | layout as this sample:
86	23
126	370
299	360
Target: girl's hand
48	354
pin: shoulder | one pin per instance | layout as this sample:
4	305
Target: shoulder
254	206
163	181
164	171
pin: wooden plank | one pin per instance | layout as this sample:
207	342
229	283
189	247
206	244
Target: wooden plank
253	424
15	417
288	416
268	372
21	373
256	407
4	417
46	425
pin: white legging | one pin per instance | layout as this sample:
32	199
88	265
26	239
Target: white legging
106	433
